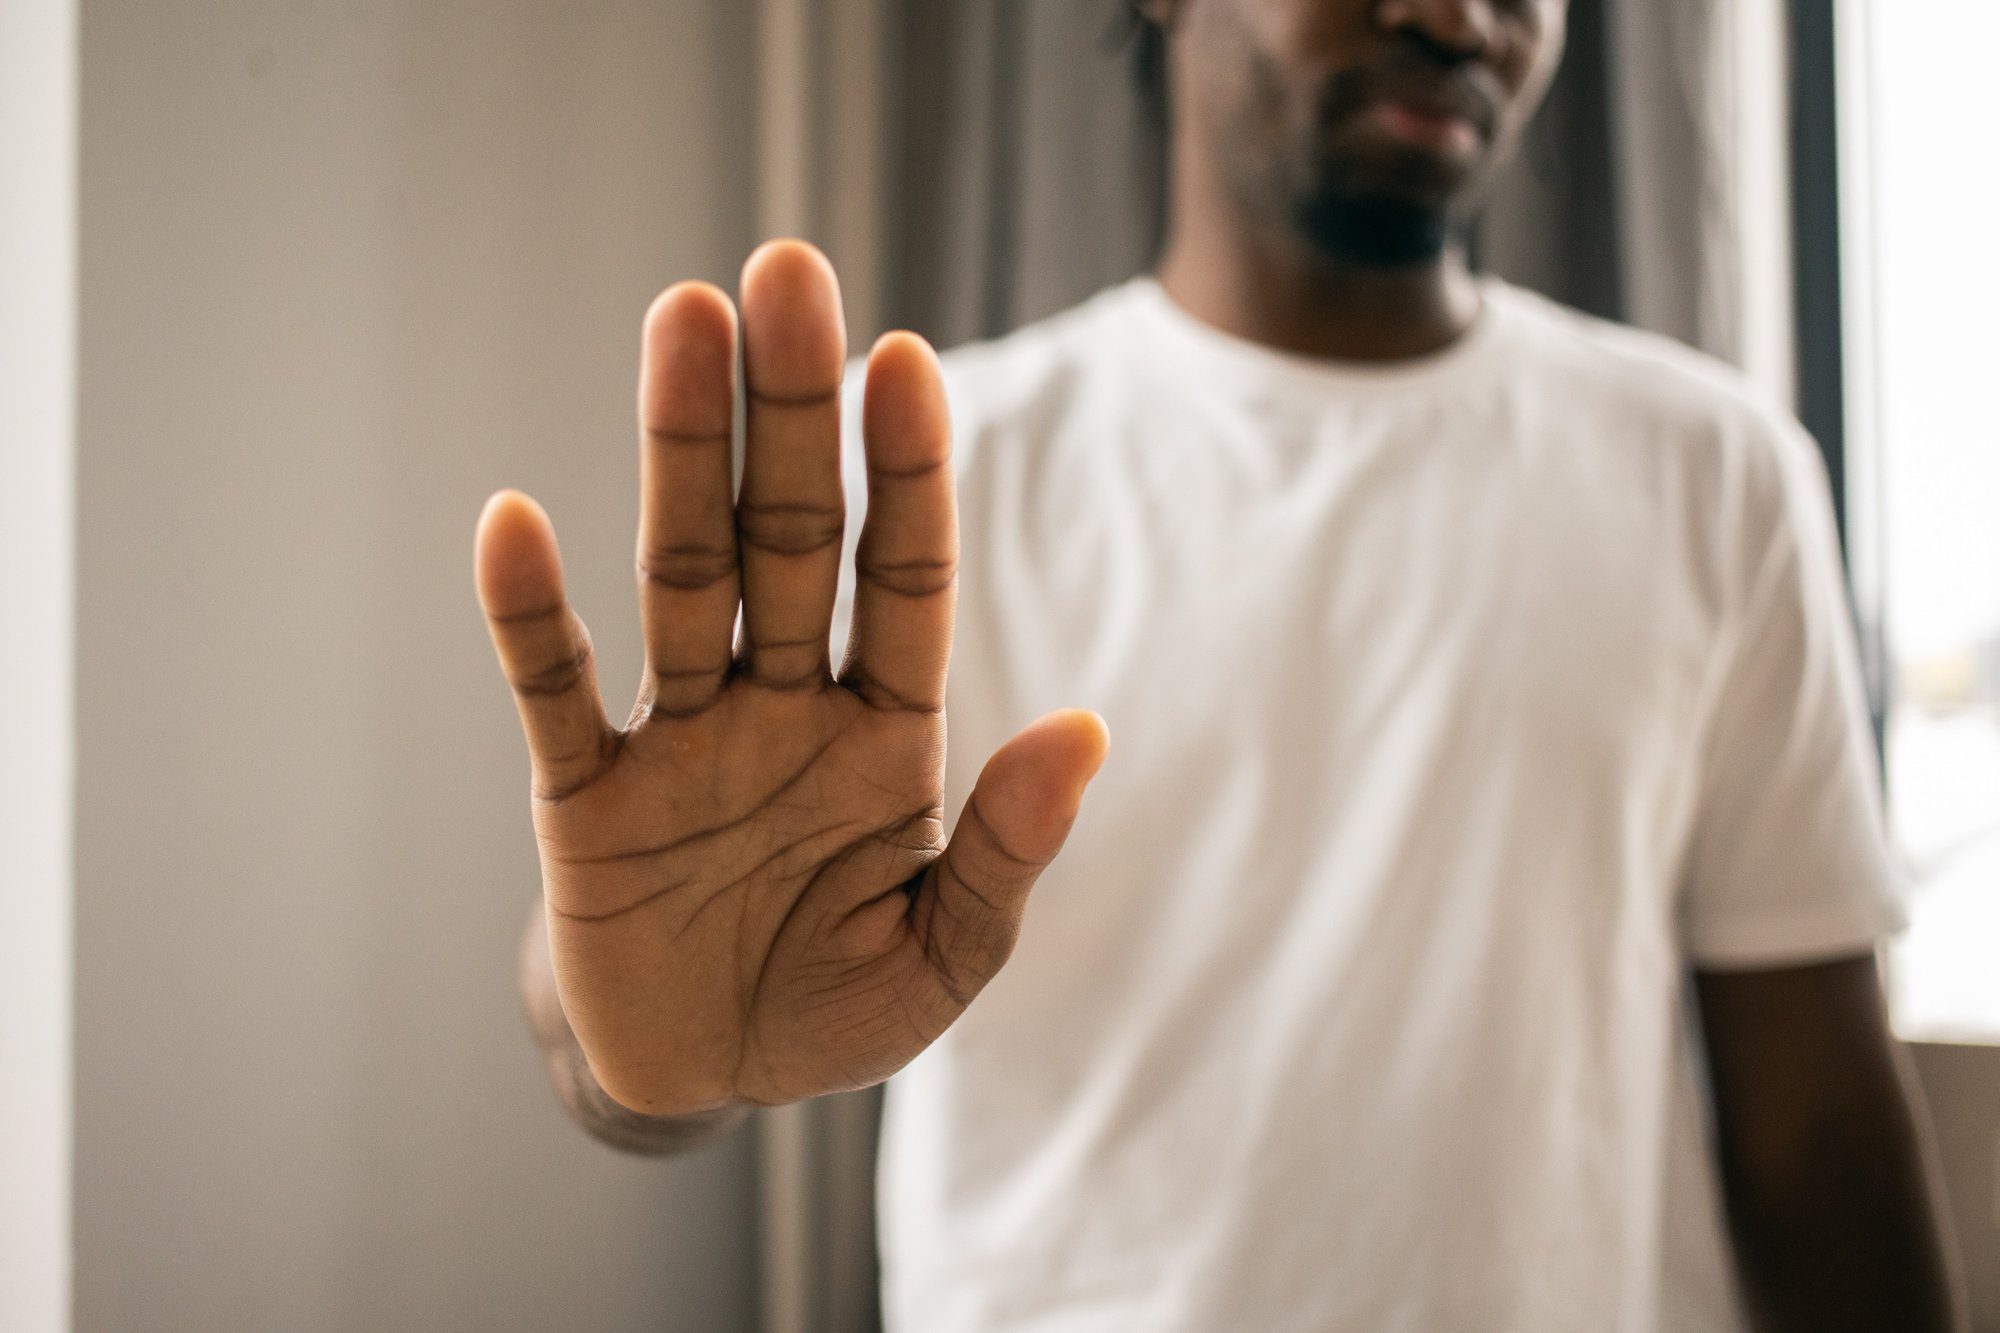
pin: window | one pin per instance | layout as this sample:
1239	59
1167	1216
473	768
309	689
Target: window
1921	286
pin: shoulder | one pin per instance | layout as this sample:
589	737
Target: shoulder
1645	374
1636	389
1027	379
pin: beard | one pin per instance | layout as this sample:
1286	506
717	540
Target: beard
1370	208
1371	229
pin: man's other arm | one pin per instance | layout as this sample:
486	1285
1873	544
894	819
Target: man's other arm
582	1096
1830	1176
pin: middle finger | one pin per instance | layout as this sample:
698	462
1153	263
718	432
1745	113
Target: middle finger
790	512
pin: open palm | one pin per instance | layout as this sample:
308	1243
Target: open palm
749	894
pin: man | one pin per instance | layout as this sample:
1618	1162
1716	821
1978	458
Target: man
1474	928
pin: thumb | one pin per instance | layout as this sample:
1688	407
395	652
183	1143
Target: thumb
968	908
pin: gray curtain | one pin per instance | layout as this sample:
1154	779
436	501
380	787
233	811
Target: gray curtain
1624	201
1021	174
1024	173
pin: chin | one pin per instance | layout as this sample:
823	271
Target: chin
1374	229
1386	208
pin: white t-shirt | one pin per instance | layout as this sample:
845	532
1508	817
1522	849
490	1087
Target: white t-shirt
1458	707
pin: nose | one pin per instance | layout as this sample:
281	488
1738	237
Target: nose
1460	29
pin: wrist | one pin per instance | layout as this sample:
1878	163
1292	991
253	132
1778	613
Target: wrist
620	1125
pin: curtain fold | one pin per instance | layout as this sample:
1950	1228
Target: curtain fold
1016	172
1024	173
1624	202
816	1163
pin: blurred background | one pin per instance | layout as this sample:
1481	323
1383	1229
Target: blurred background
288	287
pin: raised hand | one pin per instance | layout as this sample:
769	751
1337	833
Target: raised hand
748	892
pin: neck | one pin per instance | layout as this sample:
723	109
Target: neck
1265	283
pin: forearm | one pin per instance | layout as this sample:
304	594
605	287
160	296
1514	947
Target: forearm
1834	1194
588	1104
1855	1239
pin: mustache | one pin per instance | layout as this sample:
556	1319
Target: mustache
1470	91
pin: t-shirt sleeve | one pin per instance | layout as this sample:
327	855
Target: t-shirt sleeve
1789	860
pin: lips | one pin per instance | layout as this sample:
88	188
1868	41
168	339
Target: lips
1439	105
1423	127
1423	100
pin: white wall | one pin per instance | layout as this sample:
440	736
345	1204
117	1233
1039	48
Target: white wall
37	464
346	267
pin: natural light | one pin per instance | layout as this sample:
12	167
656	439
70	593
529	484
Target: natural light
1924	278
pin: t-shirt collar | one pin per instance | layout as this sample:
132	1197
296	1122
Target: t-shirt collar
1259	368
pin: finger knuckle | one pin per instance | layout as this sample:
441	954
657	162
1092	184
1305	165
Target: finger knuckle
689	567
556	677
790	529
908	578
